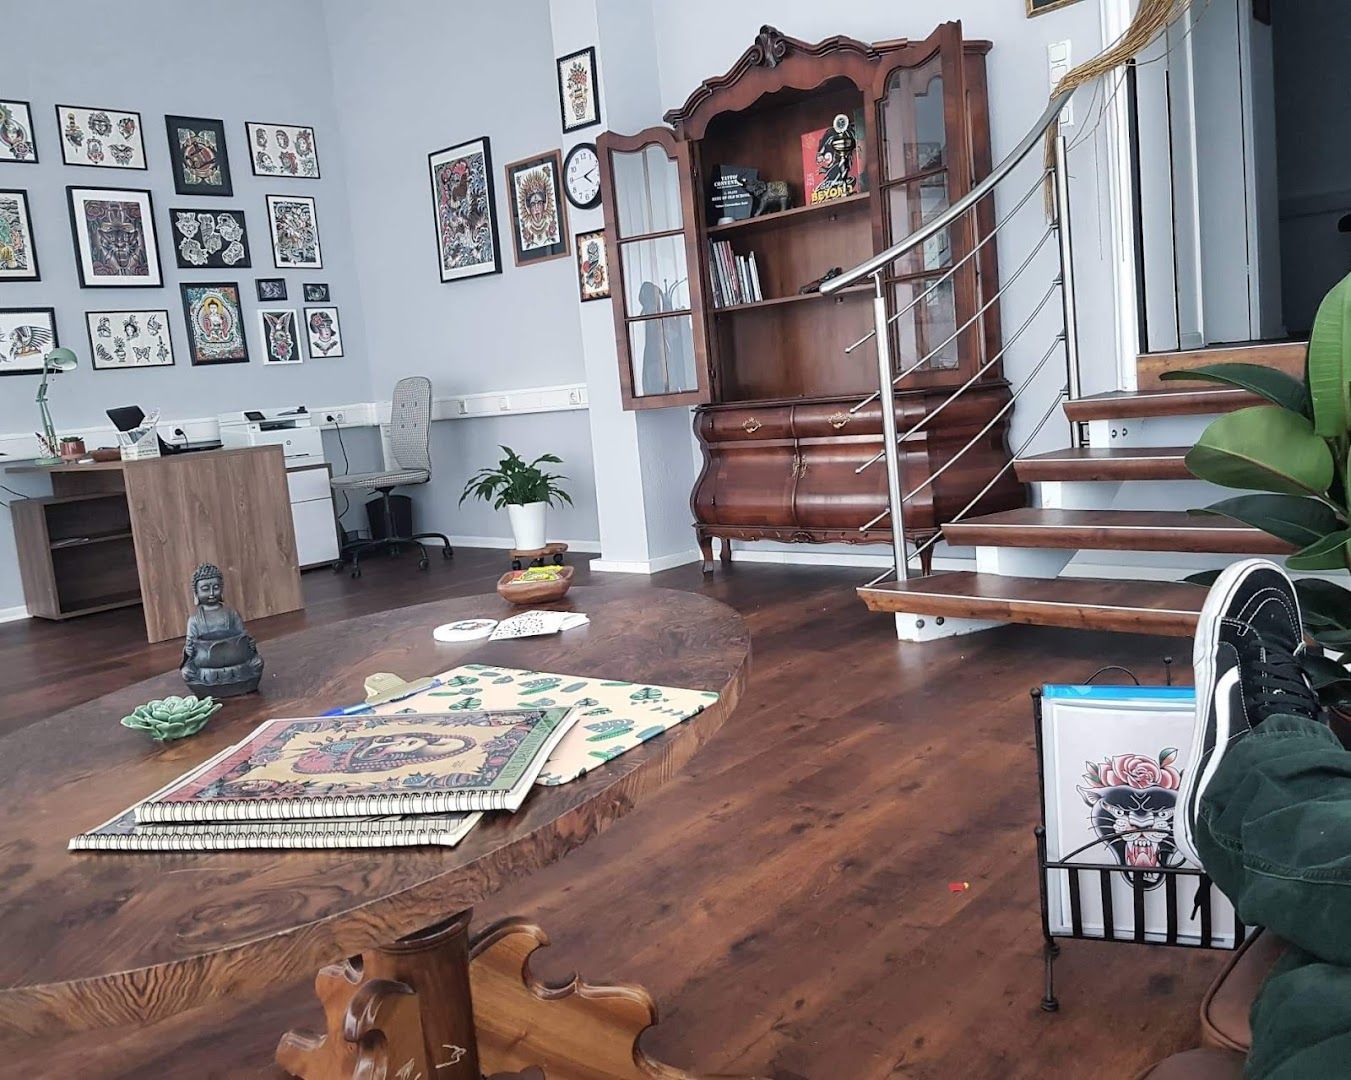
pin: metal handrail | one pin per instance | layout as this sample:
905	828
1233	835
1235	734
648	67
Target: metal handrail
1015	157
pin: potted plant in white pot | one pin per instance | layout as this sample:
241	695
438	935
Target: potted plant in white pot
525	490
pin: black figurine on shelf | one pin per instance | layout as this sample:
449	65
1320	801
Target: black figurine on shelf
767	195
219	657
815	286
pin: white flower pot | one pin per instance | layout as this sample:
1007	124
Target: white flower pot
527	525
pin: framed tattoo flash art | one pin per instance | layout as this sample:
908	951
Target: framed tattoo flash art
323	332
316	292
295	232
578	96
283	150
121	340
271	289
106	138
17	141
18	254
465	209
206	239
539	220
26	336
281	344
215	323
114	233
593	267
197	153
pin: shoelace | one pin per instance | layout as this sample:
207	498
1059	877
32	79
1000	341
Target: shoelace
1282	689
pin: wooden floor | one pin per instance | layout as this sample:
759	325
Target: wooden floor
786	899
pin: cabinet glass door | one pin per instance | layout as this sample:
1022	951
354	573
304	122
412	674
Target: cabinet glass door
657	294
923	151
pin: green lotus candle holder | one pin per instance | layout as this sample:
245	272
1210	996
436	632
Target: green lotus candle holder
172	717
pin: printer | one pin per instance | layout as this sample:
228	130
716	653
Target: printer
294	430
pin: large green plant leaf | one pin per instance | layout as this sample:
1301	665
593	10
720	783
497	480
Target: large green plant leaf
1276	386
1292	518
1324	604
1322	671
1328	553
1329	362
1263	448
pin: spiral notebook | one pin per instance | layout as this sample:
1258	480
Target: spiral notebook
368	766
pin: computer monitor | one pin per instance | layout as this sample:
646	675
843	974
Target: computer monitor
129	418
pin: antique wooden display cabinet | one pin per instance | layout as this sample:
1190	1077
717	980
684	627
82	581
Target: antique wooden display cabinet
771	381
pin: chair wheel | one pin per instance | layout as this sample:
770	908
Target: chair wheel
447	553
422	563
558	560
338	566
515	564
356	571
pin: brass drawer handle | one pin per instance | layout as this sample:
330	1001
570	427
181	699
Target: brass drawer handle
838	420
751	426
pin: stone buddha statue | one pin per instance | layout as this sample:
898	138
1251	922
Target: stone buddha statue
219	657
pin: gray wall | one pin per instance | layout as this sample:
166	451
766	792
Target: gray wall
396	73
89	54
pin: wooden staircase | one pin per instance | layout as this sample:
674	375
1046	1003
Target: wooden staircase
952	602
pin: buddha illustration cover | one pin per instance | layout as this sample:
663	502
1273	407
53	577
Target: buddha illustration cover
349	766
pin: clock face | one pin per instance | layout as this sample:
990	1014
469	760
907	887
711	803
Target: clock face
581	176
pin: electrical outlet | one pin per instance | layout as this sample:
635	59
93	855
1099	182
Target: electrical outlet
1059	63
336	417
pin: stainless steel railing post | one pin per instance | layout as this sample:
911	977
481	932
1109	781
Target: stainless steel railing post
889	445
1061	190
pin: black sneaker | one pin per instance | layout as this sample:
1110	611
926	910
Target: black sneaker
1246	661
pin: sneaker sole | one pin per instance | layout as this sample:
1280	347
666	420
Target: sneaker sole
1203	669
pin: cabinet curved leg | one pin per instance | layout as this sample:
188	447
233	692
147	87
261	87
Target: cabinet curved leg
706	549
726	551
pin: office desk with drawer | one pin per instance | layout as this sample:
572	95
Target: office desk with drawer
118	533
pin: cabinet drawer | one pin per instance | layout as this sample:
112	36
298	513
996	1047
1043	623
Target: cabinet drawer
826	419
306	484
739	425
748	485
831	495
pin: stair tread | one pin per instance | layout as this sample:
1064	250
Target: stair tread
1114	530
1106	463
1196	400
1087	603
1287	356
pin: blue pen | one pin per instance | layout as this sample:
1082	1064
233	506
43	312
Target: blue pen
358	710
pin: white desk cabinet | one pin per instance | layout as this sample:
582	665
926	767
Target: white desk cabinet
312	512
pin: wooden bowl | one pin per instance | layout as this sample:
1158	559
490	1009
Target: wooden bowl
104	453
534	592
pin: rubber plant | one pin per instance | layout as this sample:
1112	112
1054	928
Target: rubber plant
1295	453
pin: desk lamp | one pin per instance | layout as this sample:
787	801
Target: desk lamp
56	360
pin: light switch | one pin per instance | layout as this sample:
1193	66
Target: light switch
1058	59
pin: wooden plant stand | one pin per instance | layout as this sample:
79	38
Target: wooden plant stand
439	1006
538	556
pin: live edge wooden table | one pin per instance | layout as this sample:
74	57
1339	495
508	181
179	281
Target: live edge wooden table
105	940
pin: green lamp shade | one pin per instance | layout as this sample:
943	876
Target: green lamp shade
60	360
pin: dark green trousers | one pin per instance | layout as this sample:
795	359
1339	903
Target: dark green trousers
1275	836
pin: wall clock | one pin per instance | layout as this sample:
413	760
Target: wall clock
581	176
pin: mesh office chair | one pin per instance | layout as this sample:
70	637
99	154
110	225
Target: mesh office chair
410	418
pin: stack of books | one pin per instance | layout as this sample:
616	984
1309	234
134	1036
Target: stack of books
735	278
346	781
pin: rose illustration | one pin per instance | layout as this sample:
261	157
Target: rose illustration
1140	771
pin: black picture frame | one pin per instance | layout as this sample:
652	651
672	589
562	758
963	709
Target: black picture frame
481	145
579	243
316	292
1041	7
93	345
271	290
544	252
36	275
193	352
213	260
182	184
151	236
282	174
318	263
593	88
309	342
65	143
32	134
30	309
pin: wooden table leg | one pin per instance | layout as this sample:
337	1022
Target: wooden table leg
434	1006
404	1007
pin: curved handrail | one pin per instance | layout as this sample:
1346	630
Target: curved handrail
1015	157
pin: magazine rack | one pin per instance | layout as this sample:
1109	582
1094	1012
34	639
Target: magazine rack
1181	885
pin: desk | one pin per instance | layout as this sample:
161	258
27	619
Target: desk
98	940
118	533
